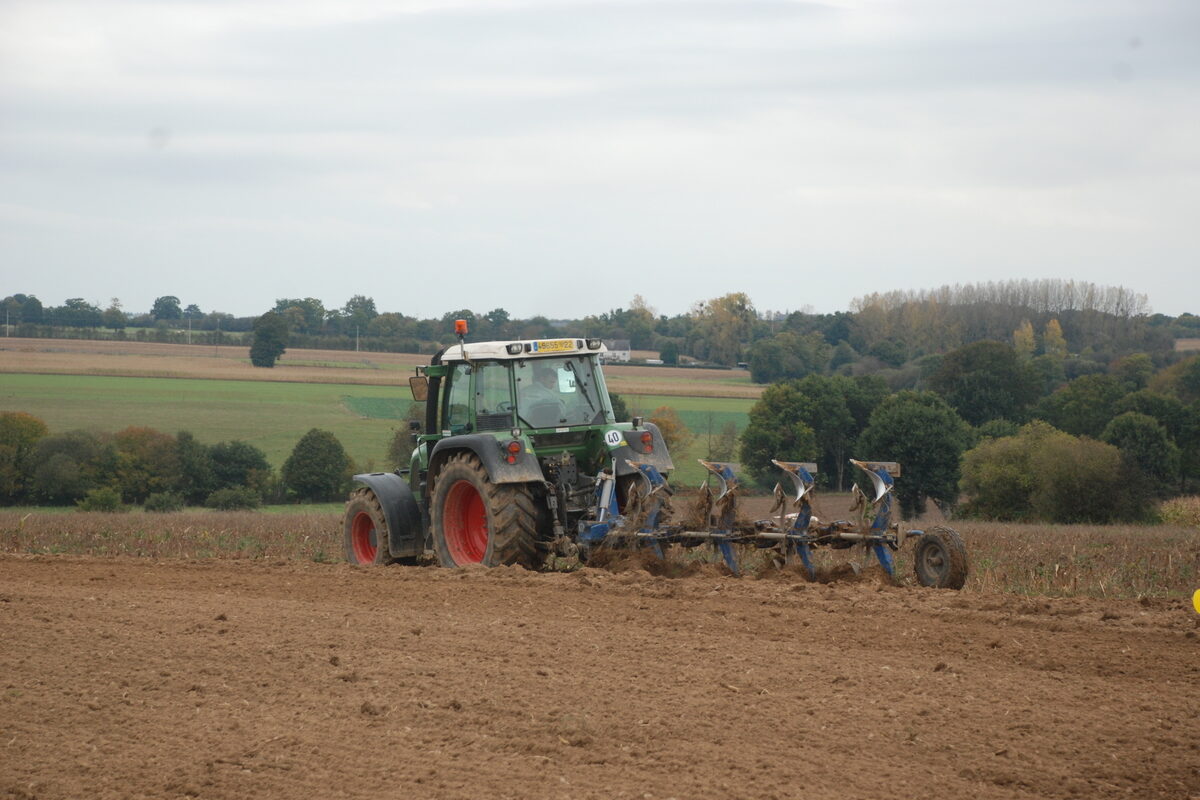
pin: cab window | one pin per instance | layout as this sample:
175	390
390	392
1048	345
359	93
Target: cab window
458	400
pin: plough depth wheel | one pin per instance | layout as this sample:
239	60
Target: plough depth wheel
940	559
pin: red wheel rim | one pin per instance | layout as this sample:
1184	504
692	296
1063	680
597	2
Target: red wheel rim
362	538
464	524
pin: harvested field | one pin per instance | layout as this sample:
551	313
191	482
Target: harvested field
151	360
1115	561
127	677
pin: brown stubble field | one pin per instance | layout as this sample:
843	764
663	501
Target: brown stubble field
153	360
1109	561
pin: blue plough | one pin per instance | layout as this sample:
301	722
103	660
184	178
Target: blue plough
640	520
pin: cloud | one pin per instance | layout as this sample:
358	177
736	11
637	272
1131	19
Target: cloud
656	146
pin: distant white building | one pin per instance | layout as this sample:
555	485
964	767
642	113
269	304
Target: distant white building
618	350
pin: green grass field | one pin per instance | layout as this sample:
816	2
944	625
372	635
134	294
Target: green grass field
704	417
273	416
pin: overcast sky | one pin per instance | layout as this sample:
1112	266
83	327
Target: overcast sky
556	158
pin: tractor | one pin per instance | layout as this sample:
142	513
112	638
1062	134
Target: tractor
516	437
520	458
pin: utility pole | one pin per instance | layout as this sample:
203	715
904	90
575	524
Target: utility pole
356	338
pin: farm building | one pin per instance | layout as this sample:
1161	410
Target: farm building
618	350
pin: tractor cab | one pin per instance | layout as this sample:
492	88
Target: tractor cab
480	395
483	387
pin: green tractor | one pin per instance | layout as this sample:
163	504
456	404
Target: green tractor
518	455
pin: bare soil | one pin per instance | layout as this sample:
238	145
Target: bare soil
125	677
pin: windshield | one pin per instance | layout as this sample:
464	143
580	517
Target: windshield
554	392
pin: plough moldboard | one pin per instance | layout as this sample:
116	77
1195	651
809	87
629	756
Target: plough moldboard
642	520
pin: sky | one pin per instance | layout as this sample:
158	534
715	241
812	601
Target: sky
559	158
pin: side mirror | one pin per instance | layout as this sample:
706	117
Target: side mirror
419	385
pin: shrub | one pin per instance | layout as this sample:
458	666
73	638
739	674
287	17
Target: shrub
237	499
1043	473
318	468
675	433
164	502
103	499
1081	480
1181	511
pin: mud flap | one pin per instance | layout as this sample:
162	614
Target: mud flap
405	536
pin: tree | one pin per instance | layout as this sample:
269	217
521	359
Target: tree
166	307
19	435
303	316
1053	342
497	320
985	380
723	324
358	311
788	355
1133	371
147	462
237	463
777	430
674	432
66	466
76	312
193	312
923	433
318	468
196	480
1181	422
270	339
724	446
21	308
1084	406
1146	448
113	316
669	352
639	323
837	414
1024	341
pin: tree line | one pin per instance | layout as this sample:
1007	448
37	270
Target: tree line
160	471
886	334
1001	430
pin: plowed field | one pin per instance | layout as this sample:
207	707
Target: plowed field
124	677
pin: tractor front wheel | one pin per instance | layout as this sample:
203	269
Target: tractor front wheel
940	559
365	530
475	521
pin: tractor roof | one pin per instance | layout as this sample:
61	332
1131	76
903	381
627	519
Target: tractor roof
523	348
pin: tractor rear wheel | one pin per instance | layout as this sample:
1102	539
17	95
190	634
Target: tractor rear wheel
365	530
940	559
475	521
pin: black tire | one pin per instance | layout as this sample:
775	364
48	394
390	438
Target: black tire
365	530
940	559
475	521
